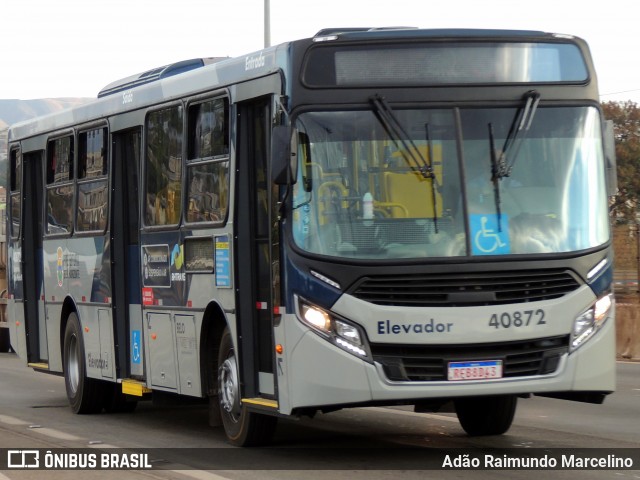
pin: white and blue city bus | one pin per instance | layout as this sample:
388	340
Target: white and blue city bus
365	217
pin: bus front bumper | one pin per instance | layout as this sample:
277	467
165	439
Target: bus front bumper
323	376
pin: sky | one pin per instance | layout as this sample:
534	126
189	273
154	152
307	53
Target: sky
73	48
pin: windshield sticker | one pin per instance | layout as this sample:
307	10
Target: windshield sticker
67	266
223	270
60	268
490	234
136	346
147	296
177	256
177	262
157	271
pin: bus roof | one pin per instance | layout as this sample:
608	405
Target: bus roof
404	32
157	74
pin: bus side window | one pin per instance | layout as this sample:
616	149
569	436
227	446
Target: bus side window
163	182
59	185
60	160
15	189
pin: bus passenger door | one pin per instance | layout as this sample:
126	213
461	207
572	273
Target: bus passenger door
125	253
32	260
256	291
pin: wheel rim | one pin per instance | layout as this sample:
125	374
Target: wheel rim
73	365
228	386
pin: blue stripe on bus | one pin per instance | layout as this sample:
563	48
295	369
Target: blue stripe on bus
314	290
133	271
603	281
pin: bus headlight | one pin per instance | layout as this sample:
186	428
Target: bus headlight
338	331
590	321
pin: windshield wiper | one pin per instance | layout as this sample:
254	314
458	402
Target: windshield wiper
434	199
497	173
404	143
521	123
500	167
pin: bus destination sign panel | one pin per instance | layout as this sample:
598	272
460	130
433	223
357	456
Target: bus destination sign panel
454	63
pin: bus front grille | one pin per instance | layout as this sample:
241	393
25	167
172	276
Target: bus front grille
429	363
465	289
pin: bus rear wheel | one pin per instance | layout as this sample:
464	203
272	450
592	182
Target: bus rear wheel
85	394
481	416
243	428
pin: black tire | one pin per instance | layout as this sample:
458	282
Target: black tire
243	428
85	394
117	402
480	416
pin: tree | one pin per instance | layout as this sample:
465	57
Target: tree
3	171
626	120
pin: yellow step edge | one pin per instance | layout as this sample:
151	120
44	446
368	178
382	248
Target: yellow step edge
134	387
263	402
39	366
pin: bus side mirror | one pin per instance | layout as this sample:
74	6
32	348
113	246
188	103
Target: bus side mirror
283	155
610	158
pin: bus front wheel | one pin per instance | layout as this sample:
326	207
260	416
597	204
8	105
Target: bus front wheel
85	394
243	428
480	416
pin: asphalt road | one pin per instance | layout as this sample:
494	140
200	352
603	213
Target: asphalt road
348	443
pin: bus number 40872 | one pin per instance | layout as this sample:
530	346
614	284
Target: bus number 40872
517	319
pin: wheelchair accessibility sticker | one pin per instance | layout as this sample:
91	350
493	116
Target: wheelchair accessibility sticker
135	346
487	238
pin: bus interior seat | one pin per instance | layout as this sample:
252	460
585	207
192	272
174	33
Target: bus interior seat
535	200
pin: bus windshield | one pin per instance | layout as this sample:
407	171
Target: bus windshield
428	189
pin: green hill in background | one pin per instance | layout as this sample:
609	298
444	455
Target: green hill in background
13	111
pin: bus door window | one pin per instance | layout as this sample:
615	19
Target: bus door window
208	161
164	167
93	188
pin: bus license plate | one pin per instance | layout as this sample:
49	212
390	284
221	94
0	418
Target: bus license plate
480	370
